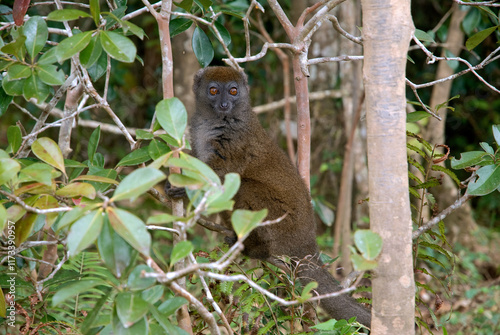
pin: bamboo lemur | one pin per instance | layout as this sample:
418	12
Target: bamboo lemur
226	135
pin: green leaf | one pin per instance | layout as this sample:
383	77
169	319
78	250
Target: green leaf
496	133
328	325
226	37
90	55
5	100
486	147
202	47
479	37
144	135
139	328
423	36
95	11
467	159
49	57
194	164
39	172
206	3
93	143
13	87
15	138
114	250
84	232
488	181
324	212
180	251
15	48
306	292
471	21
131	228
136	30
244	221
179	180
70	217
168	307
24	228
73	289
368	242
138	283
136	157
72	45
97	70
447	171
416	116
153	294
179	25
185	4
48	151
50	75
36	32
137	183
61	15
97	178
362	264
130	307
172	117
157	148
19	71
34	88
118	46
76	190
8	169
3	218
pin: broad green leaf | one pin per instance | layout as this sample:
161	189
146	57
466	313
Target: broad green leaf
93	143
12	87
36	32
131	228
24	228
73	289
3	218
324	212
471	21
207	3
15	48
118	46
153	294
144	135
186	5
169	139
180	251
61	15
306	292
194	164
130	307
84	232
172	116
226	37
362	264
72	45
90	55
486	147
136	157
114	250
48	151
138	283
14	137
97	70
95	11
328	325
98	179
70	217
47	202
94	175
479	37
202	47
76	190
179	180
157	148
488	181
369	243
19	71
467	159
5	100
137	183
416	116
39	172
49	57
134	29
15	213
244	221
164	218
170	306
34	88
50	75
496	133
423	36
8	169
139	328
179	25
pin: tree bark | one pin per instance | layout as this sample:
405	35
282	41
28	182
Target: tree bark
387	29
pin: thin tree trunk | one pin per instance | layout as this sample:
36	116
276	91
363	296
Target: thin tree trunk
461	221
387	29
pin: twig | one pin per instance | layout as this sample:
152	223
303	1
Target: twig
438	218
29	208
336	25
293	99
333	59
492	3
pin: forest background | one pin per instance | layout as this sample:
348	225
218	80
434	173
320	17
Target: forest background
458	278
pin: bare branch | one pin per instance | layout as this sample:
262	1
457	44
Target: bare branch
493	3
333	59
29	208
317	18
337	27
141	11
293	99
438	218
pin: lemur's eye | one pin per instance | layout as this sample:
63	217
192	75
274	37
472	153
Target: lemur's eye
213	91
233	91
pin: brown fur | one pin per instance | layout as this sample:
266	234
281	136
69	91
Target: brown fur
232	140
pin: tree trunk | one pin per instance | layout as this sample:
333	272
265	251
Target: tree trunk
387	28
460	222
